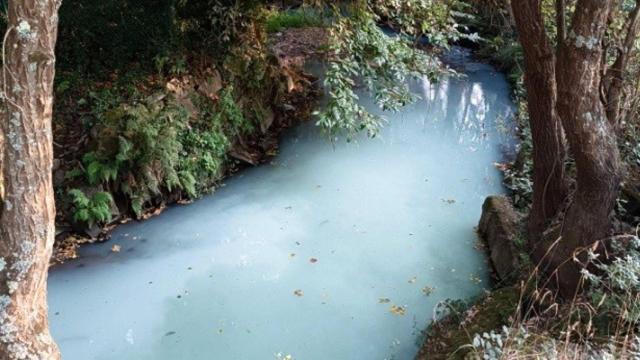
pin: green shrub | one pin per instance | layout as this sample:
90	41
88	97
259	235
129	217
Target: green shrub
146	149
91	211
615	288
137	149
298	18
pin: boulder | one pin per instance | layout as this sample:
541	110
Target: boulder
499	228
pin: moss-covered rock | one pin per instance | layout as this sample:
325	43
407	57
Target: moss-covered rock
448	338
499	227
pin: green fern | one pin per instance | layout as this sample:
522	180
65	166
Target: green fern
92	211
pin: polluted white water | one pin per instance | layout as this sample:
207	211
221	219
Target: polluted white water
330	252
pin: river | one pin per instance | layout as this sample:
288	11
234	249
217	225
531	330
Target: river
332	251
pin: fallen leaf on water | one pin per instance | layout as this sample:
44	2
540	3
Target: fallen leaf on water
398	310
427	290
475	278
298	293
116	248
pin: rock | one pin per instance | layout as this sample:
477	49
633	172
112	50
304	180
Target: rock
267	120
499	227
182	89
243	154
93	232
210	86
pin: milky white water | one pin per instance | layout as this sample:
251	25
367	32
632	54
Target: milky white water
306	256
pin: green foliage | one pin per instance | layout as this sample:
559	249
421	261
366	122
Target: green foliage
303	17
110	34
615	288
228	112
490	345
91	211
506	52
144	149
518	177
215	25
138	148
439	21
364	55
172	64
382	64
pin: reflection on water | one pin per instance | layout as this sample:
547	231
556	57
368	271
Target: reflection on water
329	252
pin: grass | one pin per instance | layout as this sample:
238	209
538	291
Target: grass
297	18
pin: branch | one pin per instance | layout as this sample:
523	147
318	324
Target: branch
615	74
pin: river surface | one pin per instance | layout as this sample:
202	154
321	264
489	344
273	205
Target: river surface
332	251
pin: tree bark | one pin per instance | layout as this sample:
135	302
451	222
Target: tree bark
592	139
560	22
549	184
28	210
615	74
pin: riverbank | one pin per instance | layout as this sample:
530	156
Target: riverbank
294	98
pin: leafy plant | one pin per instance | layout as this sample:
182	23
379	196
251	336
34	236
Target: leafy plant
91	210
228	112
363	55
302	17
137	150
615	288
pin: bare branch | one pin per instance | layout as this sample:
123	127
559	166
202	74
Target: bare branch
615	74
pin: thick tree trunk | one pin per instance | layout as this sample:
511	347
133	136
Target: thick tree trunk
591	138
549	185
27	215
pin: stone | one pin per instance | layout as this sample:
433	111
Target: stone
267	120
211	86
499	228
242	153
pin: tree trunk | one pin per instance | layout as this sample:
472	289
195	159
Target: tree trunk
549	184
28	210
561	33
591	138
